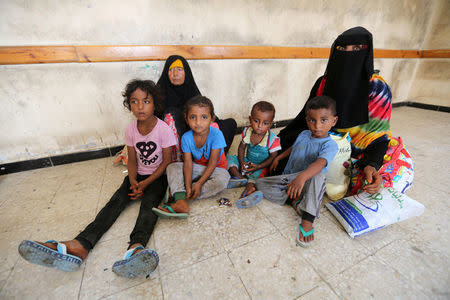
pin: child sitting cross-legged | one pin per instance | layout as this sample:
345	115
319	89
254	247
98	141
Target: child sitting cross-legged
203	173
303	179
258	148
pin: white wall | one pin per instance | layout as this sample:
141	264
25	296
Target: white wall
431	81
64	108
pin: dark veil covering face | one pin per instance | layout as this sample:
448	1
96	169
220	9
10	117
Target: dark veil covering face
177	95
346	81
347	77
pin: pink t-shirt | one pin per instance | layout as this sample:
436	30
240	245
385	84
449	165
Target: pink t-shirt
149	147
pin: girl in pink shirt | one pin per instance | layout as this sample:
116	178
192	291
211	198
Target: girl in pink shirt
149	141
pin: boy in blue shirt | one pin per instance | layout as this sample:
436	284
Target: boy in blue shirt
303	178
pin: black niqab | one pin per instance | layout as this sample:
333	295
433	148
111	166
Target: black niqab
346	81
347	77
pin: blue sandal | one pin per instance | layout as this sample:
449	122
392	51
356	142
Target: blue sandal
141	264
305	234
250	200
165	215
41	255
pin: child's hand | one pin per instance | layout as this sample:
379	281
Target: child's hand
188	192
274	164
244	167
133	182
196	189
136	193
295	187
251	167
142	186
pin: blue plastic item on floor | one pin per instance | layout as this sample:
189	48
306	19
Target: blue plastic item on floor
250	200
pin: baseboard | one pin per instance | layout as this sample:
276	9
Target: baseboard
422	106
111	151
56	160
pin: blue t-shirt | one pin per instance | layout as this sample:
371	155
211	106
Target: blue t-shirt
307	150
215	140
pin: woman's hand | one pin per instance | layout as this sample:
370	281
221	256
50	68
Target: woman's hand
373	178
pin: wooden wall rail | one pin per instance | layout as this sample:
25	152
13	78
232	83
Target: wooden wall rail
82	54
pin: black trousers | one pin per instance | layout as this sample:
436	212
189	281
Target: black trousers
146	219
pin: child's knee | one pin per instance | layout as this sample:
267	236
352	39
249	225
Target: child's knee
174	167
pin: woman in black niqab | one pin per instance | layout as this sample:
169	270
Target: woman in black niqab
363	104
346	80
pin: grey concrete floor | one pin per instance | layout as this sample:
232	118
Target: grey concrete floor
226	253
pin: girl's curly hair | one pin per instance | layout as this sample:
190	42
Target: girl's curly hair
148	87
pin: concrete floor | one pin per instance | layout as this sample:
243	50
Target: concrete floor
223	252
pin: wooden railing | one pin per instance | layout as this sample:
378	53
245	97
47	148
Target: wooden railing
83	54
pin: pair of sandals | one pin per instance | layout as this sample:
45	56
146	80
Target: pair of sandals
256	197
140	264
244	202
300	228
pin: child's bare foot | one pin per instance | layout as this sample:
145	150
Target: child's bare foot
181	206
250	188
307	227
74	247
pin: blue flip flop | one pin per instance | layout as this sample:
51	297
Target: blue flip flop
236	182
165	215
250	200
41	255
305	234
142	264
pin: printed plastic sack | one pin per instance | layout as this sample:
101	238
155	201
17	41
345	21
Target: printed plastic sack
362	213
336	179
